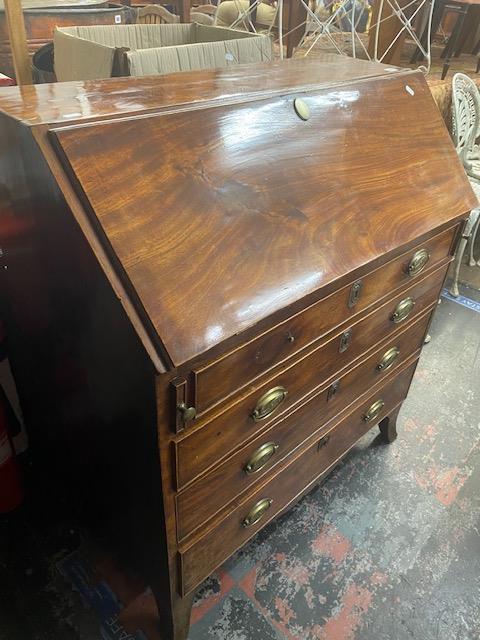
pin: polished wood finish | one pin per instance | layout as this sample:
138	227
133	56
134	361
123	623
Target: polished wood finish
305	469
218	378
227	429
214	491
146	259
85	101
221	179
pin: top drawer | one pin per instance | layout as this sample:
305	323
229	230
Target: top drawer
232	371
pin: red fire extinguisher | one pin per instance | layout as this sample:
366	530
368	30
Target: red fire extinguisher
10	484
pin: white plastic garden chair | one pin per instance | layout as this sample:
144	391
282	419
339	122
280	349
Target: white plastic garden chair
465	130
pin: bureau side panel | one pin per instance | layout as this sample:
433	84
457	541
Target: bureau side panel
85	382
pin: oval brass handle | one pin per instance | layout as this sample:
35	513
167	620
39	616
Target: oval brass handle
388	359
260	458
418	262
374	410
268	403
403	310
257	512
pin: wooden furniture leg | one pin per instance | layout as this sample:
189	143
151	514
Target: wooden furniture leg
295	15
175	619
451	47
438	12
184	10
388	426
390	27
173	610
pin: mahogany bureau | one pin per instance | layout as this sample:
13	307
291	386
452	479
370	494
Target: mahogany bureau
214	284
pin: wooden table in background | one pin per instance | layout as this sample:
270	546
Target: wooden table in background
41	18
388	31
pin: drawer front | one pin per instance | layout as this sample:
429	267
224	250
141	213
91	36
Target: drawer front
209	494
207	553
229	373
198	449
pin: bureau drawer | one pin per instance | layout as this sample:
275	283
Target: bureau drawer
199	449
201	500
205	554
229	373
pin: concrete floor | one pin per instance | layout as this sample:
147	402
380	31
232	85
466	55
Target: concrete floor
387	548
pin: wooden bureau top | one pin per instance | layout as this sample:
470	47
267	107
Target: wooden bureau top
217	216
72	101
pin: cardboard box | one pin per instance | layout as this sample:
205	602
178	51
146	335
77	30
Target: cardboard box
95	52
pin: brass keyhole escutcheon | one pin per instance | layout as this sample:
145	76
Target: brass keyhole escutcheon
403	310
418	262
301	108
323	442
260	458
257	512
268	403
388	359
345	340
333	390
354	295
374	411
187	413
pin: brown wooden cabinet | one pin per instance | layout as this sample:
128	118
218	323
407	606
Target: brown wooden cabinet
209	299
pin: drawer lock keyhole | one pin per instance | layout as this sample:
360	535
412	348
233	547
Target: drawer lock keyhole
333	391
345	340
323	442
355	292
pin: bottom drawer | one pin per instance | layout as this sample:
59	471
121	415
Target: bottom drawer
207	553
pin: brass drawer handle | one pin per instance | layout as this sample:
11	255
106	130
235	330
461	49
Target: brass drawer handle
257	512
418	262
268	403
403	310
374	411
187	413
388	359
260	458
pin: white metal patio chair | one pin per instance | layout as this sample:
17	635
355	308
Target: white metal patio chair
466	129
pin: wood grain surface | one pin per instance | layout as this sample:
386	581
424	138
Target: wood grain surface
223	376
239	211
211	493
224	430
205	554
199	210
114	97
